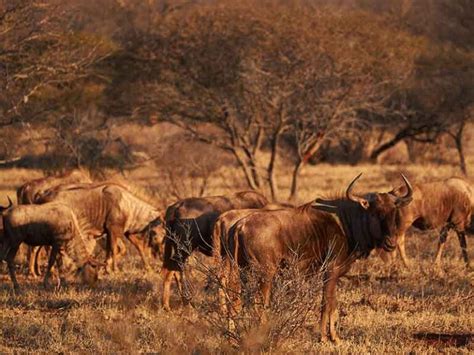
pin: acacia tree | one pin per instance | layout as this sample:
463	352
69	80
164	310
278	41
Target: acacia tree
47	66
246	78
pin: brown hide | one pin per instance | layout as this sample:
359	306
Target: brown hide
190	223
31	190
266	240
227	219
442	205
51	224
108	208
189	226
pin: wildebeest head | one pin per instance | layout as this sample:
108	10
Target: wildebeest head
369	222
156	237
89	272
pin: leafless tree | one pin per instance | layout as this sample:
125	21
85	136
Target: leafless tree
246	86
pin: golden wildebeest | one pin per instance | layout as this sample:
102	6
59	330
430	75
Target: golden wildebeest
189	225
30	191
266	240
51	224
111	209
446	204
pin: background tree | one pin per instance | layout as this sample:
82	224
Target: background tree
289	72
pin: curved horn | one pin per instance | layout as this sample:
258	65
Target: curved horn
10	204
408	196
350	196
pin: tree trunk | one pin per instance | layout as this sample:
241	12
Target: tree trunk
387	145
275	139
458	140
248	172
294	180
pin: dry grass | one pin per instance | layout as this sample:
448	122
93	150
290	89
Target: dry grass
382	307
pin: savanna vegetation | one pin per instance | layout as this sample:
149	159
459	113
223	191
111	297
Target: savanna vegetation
192	98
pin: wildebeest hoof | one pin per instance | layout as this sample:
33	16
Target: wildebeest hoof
324	338
166	308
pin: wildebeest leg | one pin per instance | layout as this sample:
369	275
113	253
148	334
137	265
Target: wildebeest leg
167	276
10	258
52	259
114	233
32	272
386	256
61	268
443	236
329	304
401	250
223	291
463	244
234	292
179	278
138	243
265	290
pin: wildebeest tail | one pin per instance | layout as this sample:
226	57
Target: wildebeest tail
470	227
4	242
216	241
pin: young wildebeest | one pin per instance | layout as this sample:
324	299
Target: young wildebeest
30	191
266	240
189	225
110	208
51	224
446	204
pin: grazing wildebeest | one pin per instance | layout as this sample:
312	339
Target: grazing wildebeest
189	225
27	193
443	205
111	209
152	243
267	240
51	224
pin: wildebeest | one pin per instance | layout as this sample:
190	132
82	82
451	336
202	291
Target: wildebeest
444	205
28	192
112	209
32	190
220	237
51	224
227	219
266	240
189	224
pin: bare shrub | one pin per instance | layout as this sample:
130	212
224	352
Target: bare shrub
294	300
187	168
